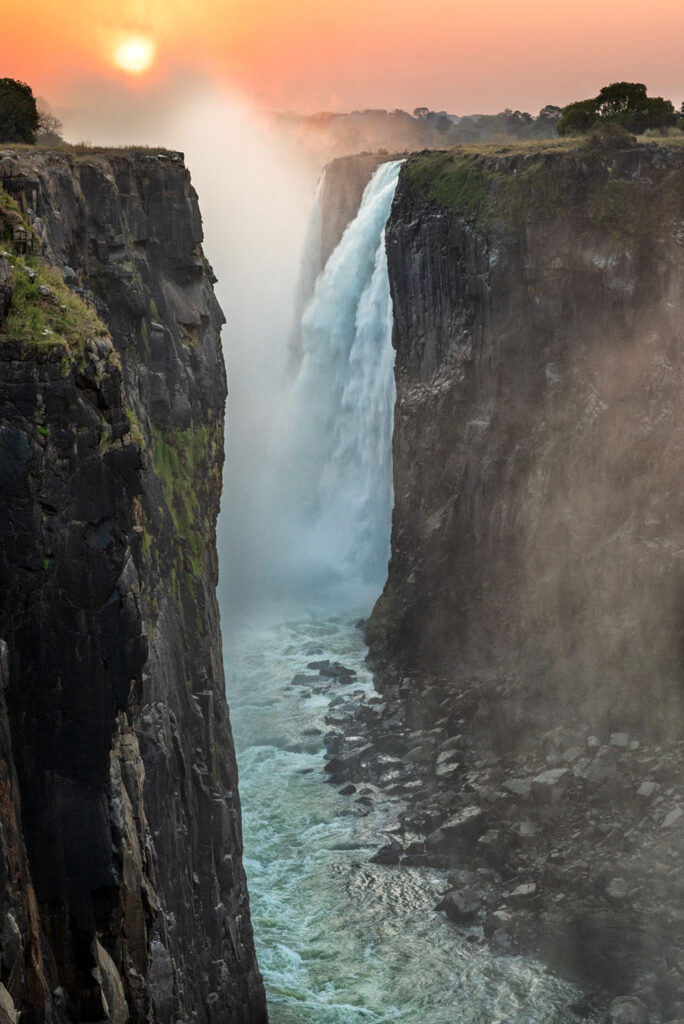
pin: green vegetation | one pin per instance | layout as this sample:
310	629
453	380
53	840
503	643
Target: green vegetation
476	183
385	619
513	184
44	320
452	179
622	104
181	459
44	313
19	119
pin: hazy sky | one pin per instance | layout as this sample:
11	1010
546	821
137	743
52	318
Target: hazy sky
460	55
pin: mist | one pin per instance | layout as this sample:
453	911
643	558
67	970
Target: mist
256	189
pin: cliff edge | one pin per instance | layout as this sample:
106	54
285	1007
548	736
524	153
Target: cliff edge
124	896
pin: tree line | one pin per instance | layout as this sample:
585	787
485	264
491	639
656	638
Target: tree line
620	105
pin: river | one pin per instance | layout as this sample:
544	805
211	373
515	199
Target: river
340	940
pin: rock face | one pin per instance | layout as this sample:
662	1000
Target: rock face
126	898
538	429
528	642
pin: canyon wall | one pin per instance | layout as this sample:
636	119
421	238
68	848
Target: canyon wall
528	644
124	896
538	523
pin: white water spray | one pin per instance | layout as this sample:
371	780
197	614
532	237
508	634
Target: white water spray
335	449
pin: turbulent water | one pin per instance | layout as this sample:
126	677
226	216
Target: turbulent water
340	940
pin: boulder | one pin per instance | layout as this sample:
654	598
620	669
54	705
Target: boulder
547	783
467	824
675	817
523	894
388	854
461	906
627	1010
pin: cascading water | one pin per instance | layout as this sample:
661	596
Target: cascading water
334	478
341	940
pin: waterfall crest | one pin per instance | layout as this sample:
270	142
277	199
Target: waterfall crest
334	449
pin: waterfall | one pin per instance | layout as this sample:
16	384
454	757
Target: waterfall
334	450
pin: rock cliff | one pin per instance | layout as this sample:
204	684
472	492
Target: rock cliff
529	638
538	334
123	895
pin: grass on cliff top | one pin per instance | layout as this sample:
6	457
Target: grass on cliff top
86	149
457	178
37	320
472	181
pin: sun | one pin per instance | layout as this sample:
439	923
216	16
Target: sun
135	55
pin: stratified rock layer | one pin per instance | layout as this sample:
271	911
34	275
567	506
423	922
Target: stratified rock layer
128	899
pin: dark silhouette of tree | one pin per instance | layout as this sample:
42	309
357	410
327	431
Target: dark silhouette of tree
18	112
622	103
620	98
578	118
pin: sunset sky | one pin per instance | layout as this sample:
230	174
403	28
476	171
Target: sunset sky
461	55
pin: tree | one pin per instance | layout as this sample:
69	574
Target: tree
550	113
619	98
621	103
18	112
50	128
578	118
660	113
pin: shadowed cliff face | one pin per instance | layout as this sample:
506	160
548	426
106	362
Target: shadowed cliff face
530	630
110	477
538	524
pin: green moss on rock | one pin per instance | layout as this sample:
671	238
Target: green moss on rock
183	461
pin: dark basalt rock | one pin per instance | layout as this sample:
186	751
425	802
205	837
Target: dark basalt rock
530	627
126	897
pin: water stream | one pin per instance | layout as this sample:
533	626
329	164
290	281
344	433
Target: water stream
340	940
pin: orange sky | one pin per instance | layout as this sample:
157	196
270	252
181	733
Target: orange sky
460	55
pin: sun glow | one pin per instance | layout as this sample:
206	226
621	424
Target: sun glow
135	55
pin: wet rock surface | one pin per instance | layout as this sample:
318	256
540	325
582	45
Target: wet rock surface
127	898
555	851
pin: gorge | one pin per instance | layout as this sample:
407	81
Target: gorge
506	766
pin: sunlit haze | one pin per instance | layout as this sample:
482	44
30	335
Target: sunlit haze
447	54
